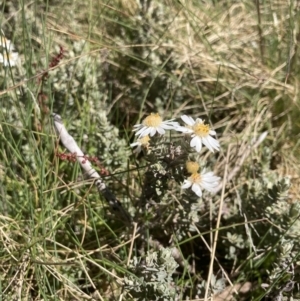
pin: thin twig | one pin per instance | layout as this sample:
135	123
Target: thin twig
213	253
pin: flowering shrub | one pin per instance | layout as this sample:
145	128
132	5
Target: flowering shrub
200	133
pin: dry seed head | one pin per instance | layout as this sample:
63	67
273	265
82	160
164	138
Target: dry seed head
192	167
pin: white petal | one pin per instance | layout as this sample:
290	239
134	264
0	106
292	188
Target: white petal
174	123
207	144
152	131
144	131
160	130
188	120
209	181
206	174
186	184
171	122
209	177
167	126
199	120
214	143
196	142
211	143
183	129
137	126
208	186
138	149
135	144
197	189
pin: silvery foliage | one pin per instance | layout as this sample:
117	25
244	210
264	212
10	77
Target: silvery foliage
151	277
216	286
281	277
81	81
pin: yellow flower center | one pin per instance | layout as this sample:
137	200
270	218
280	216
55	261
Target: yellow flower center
195	178
201	129
144	140
153	120
192	167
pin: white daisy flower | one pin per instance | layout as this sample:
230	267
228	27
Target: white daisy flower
198	182
6	43
153	124
141	143
200	133
9	59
